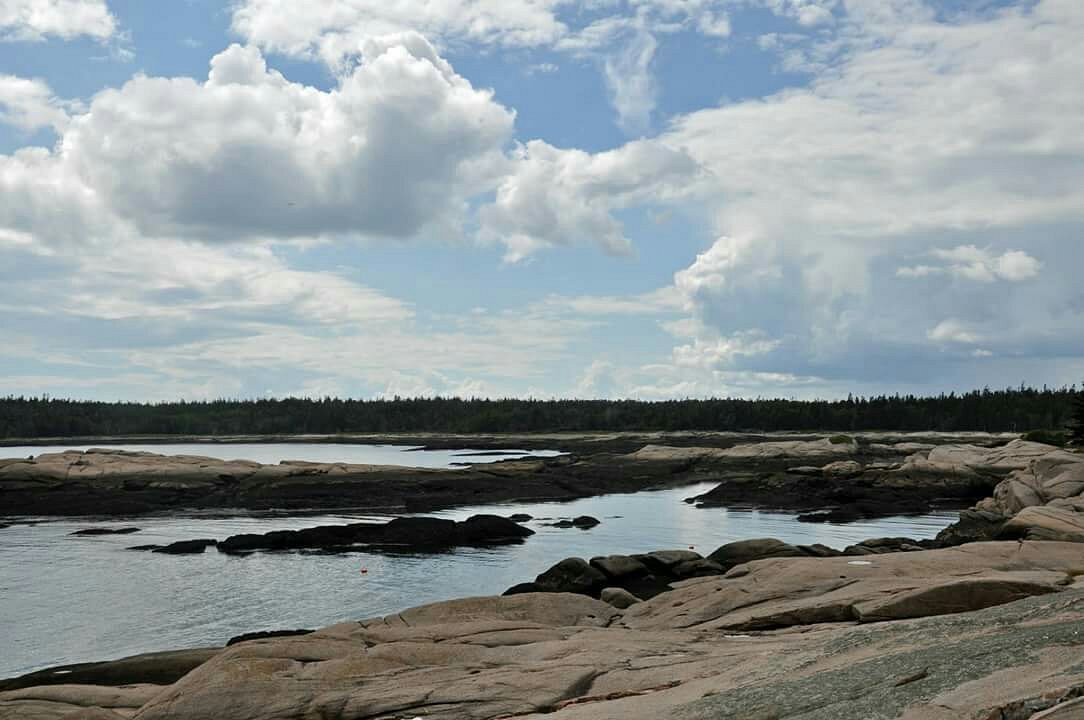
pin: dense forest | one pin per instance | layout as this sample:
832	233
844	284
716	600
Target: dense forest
1019	410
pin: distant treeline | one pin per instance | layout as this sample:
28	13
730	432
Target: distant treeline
1019	410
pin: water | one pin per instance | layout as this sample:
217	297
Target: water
73	599
273	453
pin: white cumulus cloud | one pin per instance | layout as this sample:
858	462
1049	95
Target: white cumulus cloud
36	19
29	104
974	263
398	145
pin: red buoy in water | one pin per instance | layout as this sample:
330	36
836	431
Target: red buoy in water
364	571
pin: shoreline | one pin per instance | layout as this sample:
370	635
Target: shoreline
789	472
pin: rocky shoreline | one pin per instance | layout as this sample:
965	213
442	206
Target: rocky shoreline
861	476
984	623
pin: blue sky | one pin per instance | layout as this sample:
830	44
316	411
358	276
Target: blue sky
548	198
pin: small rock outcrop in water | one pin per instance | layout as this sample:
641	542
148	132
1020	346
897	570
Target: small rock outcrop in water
520	517
583	522
106	531
186	547
411	533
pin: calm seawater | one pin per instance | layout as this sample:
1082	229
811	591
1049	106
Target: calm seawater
70	599
273	453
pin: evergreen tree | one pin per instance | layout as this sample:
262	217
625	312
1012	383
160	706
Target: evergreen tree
1076	429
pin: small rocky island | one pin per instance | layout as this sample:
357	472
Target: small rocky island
985	622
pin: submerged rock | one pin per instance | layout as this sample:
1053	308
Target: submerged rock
106	531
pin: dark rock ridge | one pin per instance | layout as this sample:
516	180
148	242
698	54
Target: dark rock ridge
410	533
265	635
183	547
106	531
161	668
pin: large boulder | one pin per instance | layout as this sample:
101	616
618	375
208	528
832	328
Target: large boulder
619	566
572	575
620	598
665	560
1045	523
490	529
973	526
743	551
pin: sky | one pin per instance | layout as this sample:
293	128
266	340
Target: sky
643	199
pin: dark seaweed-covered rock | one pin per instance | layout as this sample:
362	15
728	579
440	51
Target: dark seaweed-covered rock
572	575
186	547
583	522
973	526
161	668
521	588
520	517
412	533
265	634
106	531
